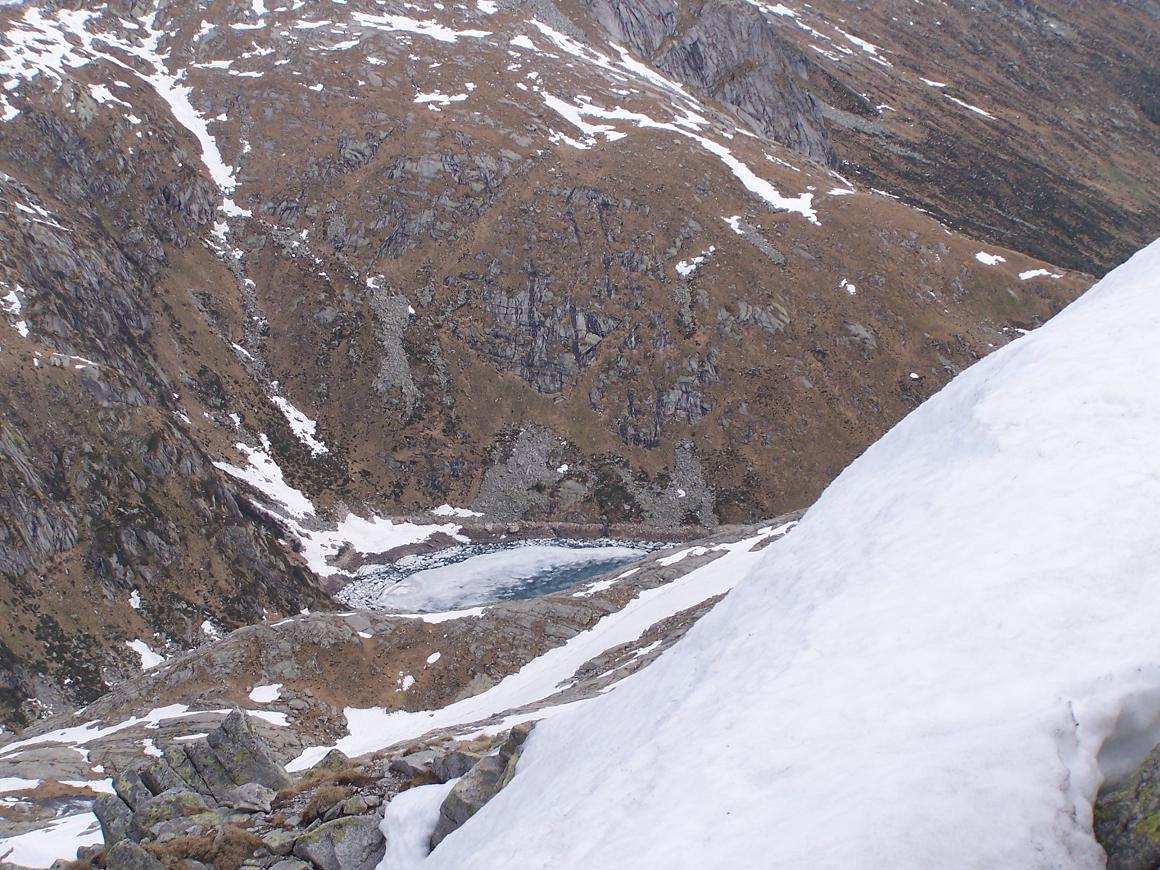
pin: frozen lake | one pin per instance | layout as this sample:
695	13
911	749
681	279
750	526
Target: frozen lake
483	573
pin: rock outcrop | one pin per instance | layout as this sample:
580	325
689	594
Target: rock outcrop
329	819
1127	819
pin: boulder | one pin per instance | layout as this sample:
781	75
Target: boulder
131	789
480	784
336	759
245	756
114	815
477	787
350	843
415	764
171	804
1127	819
159	776
218	782
252	797
291	864
454	764
178	760
127	855
280	842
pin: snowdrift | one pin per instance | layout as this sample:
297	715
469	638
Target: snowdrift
925	672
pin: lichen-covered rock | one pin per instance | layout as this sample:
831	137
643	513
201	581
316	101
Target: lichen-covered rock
131	789
114	815
350	843
179	762
333	760
1127	820
127	855
159	776
245	757
217	780
280	842
252	797
171	804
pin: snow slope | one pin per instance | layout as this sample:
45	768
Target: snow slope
924	673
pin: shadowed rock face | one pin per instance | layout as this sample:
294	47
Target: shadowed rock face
733	52
468	290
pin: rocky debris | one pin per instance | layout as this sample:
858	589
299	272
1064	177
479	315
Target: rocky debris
1127	819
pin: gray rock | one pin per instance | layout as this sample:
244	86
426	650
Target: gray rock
480	784
179	762
127	855
159	776
414	764
114	815
736	55
454	764
333	760
290	864
245	757
131	789
252	797
351	843
476	788
217	780
1127	820
171	804
280	842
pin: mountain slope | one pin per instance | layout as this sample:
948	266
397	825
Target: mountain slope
398	255
938	668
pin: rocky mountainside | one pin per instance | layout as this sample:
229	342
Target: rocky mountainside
319	687
651	263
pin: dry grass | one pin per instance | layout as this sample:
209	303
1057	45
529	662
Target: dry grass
322	800
173	853
225	850
423	777
234	845
351	774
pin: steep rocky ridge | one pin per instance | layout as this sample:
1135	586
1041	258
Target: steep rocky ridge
473	255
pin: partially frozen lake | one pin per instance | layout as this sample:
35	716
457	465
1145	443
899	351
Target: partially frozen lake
476	574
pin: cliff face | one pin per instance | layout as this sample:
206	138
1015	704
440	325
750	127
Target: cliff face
580	262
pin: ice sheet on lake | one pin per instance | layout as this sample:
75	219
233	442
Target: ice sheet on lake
485	577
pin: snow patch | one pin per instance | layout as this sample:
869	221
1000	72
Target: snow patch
266	694
149	659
